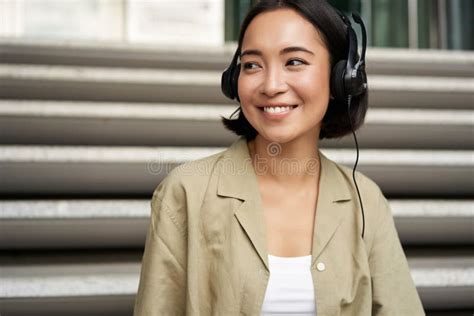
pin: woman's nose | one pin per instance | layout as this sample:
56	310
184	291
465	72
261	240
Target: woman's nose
274	83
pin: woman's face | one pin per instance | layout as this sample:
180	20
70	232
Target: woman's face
284	62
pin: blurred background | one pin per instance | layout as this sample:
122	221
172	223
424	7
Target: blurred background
100	99
437	24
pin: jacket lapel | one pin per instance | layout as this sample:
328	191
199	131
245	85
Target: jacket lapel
237	179
332	205
250	217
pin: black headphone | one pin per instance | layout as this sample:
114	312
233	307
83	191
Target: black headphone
348	77
230	78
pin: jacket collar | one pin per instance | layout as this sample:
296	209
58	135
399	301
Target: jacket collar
237	179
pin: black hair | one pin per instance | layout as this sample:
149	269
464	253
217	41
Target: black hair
333	32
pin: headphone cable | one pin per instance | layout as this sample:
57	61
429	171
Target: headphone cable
349	99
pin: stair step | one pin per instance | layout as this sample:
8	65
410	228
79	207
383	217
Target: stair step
72	224
92	123
440	222
92	170
21	81
441	282
444	282
393	61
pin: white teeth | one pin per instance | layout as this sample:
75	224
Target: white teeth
276	109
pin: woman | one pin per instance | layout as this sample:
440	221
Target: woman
270	225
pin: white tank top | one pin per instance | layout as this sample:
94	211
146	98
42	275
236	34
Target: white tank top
290	288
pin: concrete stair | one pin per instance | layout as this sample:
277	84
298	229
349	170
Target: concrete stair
99	223
174	124
94	170
87	131
391	61
87	83
103	281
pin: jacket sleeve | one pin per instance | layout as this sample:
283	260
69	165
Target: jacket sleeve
162	287
394	292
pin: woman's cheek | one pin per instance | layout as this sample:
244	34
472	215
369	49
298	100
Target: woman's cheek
243	90
246	89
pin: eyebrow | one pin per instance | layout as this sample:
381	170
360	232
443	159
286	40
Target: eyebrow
283	51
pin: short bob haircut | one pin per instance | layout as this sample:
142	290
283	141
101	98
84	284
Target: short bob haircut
333	32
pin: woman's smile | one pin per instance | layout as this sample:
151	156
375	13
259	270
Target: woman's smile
277	112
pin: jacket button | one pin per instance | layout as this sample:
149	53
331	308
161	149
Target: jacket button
321	266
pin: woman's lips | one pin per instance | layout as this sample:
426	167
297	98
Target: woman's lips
280	115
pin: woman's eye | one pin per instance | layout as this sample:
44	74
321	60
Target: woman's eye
249	65
295	62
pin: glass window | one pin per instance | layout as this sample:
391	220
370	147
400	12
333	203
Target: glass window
235	11
389	23
460	31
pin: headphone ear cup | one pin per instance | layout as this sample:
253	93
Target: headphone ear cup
226	83
229	82
337	81
360	82
235	81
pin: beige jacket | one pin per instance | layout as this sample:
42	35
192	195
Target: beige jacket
206	253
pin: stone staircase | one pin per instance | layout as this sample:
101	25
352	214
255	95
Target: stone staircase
87	131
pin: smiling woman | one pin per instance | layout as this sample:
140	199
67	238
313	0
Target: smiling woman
272	226
284	76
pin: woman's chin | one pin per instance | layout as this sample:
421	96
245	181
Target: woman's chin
278	136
